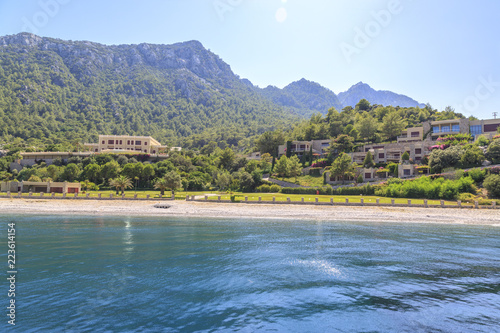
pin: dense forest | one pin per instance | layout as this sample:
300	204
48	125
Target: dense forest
58	92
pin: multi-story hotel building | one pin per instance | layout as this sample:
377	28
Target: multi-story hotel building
126	143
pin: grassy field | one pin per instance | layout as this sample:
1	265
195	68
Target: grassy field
238	196
312	181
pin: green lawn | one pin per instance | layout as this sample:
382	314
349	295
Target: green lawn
312	181
238	196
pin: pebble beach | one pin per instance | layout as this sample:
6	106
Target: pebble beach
241	210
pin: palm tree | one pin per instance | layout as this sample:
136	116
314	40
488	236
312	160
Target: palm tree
161	184
121	183
86	184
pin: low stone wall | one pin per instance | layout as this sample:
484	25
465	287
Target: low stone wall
218	199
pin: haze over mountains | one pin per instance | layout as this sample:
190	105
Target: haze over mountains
50	86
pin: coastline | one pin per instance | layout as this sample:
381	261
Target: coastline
238	210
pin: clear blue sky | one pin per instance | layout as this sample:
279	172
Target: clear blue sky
442	52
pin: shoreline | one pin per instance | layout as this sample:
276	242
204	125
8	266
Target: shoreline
244	210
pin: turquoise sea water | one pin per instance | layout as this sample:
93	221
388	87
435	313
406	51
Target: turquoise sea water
121	274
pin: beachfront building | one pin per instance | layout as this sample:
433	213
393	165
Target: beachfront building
39	187
127	143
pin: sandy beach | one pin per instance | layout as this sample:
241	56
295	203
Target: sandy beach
236	210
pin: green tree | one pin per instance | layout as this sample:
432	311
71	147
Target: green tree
343	167
406	156
493	151
34	178
282	166
393	125
341	144
368	162
268	142
71	172
294	166
367	127
492	184
265	162
472	156
53	171
363	105
110	170
247	183
148	172
173	180
91	172
121	183
223	180
227	158
161	184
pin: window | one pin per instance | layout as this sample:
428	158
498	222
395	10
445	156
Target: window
445	129
455	128
415	134
407	172
145	150
121	142
103	141
138	143
476	130
418	150
145	143
491	127
110	142
154	151
96	150
381	155
435	129
368	175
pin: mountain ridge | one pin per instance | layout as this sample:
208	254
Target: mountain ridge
180	93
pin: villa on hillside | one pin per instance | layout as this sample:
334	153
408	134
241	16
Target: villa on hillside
113	144
415	140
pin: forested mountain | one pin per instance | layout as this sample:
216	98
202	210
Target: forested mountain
304	96
54	91
181	94
381	97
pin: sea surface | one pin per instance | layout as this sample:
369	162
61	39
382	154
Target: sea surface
130	274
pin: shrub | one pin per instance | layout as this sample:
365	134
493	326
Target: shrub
405	156
315	172
482	141
366	189
492	184
325	190
393	169
274	188
320	163
360	179
263	188
477	175
426	187
466	197
493	151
